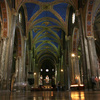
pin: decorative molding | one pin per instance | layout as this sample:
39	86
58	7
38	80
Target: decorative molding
4	20
89	18
74	40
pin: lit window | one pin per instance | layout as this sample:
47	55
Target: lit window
20	17
41	70
47	70
73	18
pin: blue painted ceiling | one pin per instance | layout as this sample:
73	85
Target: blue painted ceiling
46	14
46	26
31	9
61	9
46	0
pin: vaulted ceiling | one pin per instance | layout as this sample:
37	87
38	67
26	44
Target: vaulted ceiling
47	21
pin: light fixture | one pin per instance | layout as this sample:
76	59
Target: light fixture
73	55
95	39
41	70
99	77
20	17
34	73
47	70
78	56
61	70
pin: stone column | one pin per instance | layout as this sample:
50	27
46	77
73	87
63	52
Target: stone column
0	63
16	69
2	66
24	58
68	62
65	70
30	60
82	37
33	64
72	70
6	62
62	72
77	72
56	73
11	45
93	56
88	63
20	69
0	60
36	76
58	70
25	40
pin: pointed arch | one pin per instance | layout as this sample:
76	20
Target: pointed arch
18	44
4	19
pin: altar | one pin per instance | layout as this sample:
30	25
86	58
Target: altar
47	81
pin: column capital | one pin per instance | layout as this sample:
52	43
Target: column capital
68	38
59	59
57	64
90	37
3	38
77	12
14	12
25	38
30	51
18	57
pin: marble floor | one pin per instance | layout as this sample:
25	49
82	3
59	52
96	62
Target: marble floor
50	95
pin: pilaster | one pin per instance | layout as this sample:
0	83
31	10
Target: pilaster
56	66
73	70
58	70
24	57
68	62
30	60
36	76
62	70
93	56
20	71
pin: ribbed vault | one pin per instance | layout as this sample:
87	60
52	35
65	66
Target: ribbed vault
47	23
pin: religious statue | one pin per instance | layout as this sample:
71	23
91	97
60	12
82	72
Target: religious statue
40	81
47	79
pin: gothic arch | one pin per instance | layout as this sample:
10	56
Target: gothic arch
18	35
4	18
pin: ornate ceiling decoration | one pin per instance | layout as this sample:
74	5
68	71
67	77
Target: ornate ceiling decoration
47	22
